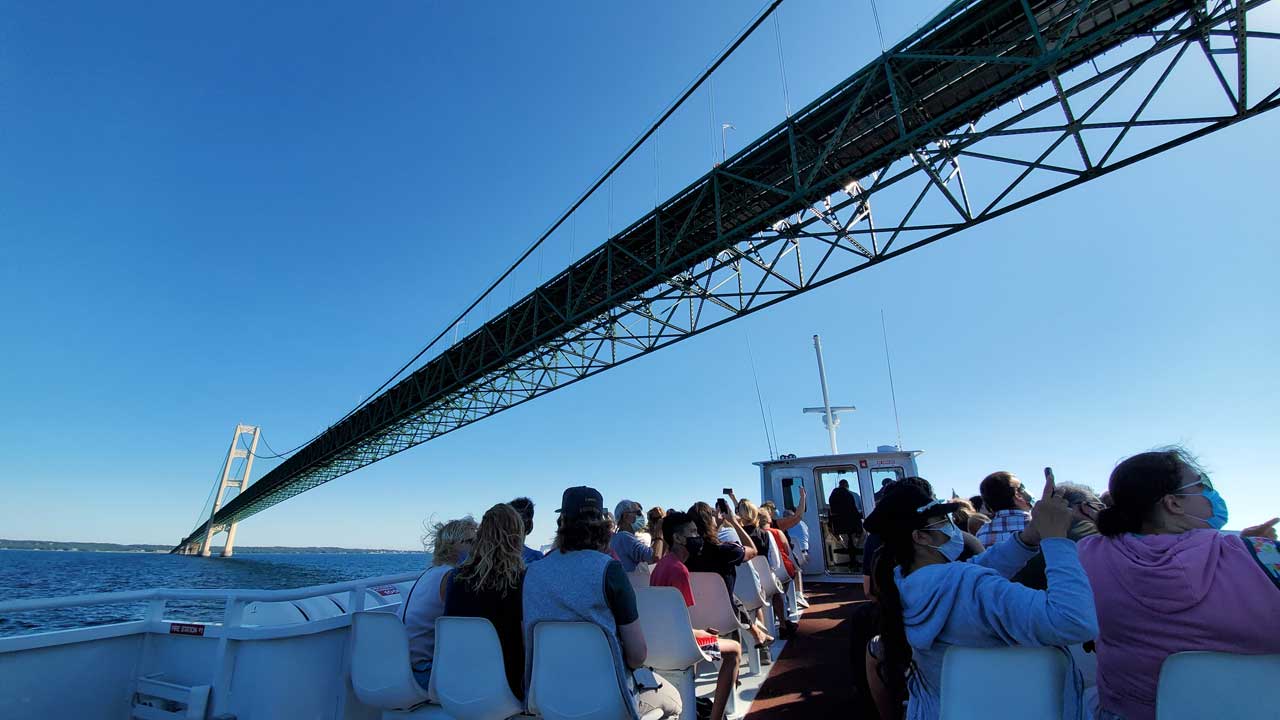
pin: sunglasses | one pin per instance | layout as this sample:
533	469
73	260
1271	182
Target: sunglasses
1202	480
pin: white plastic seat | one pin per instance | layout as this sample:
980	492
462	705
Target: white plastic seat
573	677
1217	685
668	633
639	579
712	608
768	588
1037	693
380	672
467	672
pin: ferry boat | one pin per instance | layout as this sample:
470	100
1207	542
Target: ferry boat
339	651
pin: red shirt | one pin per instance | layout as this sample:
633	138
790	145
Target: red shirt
670	572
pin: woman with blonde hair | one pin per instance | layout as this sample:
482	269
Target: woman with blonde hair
488	585
448	543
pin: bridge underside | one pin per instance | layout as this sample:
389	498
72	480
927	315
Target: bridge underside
993	105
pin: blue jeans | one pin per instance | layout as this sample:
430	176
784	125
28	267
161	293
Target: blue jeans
423	677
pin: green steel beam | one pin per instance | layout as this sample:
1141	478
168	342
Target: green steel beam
793	210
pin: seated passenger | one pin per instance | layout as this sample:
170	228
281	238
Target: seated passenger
1084	506
723	557
684	543
783	571
654	529
578	582
1165	579
447	543
929	602
524	506
1008	502
488	585
629	549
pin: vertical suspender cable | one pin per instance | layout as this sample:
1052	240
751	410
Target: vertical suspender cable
889	364
760	399
711	117
782	65
875	12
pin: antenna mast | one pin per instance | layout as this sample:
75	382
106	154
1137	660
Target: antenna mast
830	413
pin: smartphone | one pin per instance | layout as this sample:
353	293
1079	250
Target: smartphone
722	505
726	491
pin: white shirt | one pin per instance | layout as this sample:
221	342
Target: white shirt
419	613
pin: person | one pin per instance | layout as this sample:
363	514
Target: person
1165	579
447	542
685	542
749	516
845	519
625	544
783	570
978	507
1085	506
799	537
722	555
524	506
884	486
929	602
789	519
488	585
654	526
1003	496
578	582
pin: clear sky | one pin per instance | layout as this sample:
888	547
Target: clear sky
254	213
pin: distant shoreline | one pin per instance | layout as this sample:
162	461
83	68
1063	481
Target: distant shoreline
57	546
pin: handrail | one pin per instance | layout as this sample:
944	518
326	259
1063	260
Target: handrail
238	594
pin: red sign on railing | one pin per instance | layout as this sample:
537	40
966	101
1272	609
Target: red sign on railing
186	629
386	590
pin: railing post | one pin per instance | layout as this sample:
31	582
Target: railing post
224	659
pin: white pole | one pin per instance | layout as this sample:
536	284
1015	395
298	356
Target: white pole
826	401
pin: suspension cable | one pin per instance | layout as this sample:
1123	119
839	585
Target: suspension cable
782	64
670	110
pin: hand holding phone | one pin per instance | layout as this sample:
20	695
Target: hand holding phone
727	491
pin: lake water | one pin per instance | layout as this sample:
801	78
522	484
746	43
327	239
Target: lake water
42	574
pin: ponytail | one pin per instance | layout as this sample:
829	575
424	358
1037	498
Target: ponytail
893	553
1137	485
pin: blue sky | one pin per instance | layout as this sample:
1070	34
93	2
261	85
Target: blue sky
255	213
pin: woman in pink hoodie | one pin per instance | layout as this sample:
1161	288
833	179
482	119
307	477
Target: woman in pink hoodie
1165	580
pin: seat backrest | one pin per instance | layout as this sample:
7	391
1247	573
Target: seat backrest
668	632
573	676
318	608
747	589
768	584
1037	692
380	672
711	605
1218	685
467	673
639	579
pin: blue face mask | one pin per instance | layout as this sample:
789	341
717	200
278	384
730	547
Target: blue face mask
637	525
1218	519
954	545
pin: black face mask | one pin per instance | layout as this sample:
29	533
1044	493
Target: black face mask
693	545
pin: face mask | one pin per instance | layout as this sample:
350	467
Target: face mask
1218	519
693	545
954	545
637	525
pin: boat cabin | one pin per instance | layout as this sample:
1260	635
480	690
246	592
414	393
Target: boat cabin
835	551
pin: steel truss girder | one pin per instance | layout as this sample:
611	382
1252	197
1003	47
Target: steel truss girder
794	210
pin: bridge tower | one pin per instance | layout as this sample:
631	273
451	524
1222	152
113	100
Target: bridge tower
231	478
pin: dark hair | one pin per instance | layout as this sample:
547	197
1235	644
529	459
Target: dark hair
587	530
1138	483
674	521
997	491
707	521
918	482
896	550
976	502
524	506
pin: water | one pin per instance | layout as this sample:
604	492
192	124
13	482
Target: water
41	574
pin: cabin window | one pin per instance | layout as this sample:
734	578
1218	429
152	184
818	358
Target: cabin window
829	478
791	492
880	474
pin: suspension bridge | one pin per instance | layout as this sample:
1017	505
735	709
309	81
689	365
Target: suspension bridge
990	106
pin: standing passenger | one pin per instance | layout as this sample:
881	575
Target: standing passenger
1004	497
487	585
578	582
846	519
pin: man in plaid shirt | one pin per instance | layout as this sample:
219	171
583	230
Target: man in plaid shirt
1003	494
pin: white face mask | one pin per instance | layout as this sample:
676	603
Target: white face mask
954	545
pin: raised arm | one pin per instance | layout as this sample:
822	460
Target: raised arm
786	523
748	545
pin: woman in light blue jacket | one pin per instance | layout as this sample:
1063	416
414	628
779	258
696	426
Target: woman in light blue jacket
929	602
